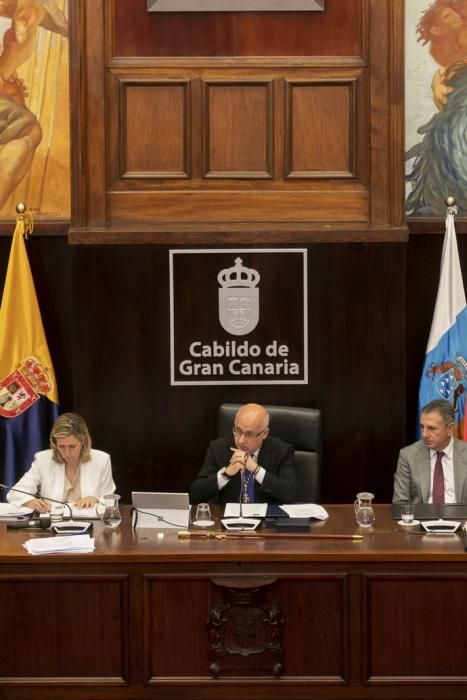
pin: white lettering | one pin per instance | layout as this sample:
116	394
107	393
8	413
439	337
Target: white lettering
190	369
193	352
258	368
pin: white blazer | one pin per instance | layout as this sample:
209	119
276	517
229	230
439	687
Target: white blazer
48	478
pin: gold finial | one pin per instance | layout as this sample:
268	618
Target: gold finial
450	201
24	218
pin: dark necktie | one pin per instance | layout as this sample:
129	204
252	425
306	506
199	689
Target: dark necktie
438	479
248	487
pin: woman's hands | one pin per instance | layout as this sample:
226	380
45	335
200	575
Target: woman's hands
86	502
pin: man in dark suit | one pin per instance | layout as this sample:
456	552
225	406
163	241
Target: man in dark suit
434	469
249	464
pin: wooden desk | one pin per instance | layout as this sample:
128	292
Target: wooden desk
385	617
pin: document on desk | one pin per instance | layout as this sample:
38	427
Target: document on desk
306	510
78	544
245	510
83	513
10	513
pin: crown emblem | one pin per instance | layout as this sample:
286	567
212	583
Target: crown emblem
238	276
36	374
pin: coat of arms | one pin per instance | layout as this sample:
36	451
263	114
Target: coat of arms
238	299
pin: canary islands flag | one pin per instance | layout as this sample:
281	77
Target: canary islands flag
28	389
445	369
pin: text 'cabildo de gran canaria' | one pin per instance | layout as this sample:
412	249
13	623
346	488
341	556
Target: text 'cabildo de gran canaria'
238	358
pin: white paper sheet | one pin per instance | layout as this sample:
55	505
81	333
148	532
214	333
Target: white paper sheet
54	545
305	510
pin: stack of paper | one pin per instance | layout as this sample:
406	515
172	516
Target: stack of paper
306	510
52	545
83	513
9	512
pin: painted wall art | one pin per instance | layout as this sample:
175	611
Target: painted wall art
34	108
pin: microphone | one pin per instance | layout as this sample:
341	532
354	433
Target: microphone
33	495
42	522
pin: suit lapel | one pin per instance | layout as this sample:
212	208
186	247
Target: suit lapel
460	468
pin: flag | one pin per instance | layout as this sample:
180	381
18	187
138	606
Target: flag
444	373
28	389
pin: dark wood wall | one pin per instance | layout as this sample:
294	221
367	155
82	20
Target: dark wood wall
105	310
371	288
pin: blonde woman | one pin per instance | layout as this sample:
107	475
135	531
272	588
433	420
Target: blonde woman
69	471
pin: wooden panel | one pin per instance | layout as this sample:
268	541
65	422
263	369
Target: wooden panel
319	130
161	207
178	610
85	634
334	32
238	129
307	606
415	628
155	129
356	110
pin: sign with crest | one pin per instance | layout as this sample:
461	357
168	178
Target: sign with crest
234	5
227	320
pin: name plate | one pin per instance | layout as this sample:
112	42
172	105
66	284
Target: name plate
235	5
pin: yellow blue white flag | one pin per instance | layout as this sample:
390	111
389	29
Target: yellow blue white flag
28	388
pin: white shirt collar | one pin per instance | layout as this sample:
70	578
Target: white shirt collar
447	450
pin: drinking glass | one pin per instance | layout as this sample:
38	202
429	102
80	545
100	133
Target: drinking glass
203	517
111	515
407	513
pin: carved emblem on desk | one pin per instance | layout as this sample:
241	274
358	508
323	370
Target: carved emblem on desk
244	636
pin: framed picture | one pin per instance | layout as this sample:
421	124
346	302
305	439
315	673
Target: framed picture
435	106
34	109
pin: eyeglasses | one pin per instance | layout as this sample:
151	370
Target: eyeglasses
247	434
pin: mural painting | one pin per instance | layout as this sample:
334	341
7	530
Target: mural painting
34	108
436	106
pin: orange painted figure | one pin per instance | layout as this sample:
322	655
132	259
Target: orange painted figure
20	131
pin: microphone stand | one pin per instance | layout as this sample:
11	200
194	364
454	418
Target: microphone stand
33	495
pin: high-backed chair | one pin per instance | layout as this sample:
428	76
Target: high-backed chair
301	427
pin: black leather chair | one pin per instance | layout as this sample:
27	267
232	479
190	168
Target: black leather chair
301	427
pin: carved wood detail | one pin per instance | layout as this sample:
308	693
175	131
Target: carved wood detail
244	635
254	122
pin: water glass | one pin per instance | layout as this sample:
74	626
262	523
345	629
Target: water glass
407	513
111	516
203	517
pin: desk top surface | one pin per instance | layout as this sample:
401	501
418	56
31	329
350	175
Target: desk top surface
386	541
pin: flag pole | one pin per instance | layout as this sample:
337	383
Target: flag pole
24	219
450	202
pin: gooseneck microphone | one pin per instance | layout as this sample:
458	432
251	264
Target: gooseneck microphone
33	495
